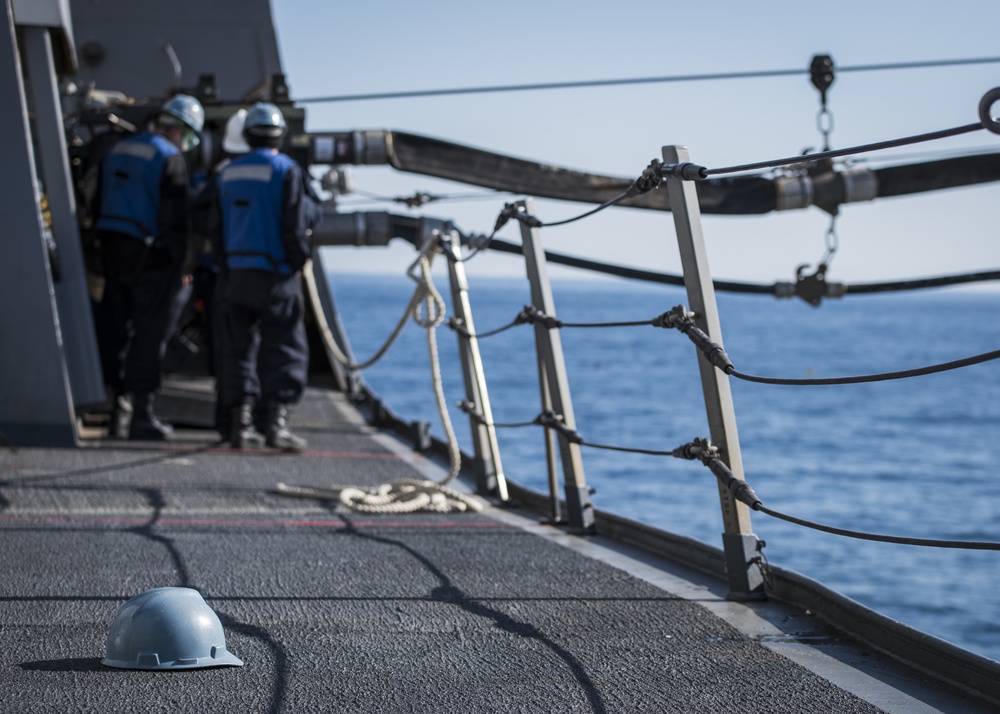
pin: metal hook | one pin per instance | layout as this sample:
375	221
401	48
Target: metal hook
813	288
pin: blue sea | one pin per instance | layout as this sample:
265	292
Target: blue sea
914	457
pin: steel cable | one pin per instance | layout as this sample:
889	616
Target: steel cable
743	492
903	540
753	74
849	151
883	377
679	319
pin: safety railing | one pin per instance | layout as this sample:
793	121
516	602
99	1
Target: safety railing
745	566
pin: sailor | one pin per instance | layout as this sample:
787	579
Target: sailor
212	277
142	228
267	210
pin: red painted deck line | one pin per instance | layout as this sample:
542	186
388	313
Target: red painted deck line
289	523
335	454
188	449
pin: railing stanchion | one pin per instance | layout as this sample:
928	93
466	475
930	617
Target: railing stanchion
579	510
490	480
739	542
551	461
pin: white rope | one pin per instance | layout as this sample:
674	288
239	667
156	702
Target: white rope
403	496
427	308
331	343
434	317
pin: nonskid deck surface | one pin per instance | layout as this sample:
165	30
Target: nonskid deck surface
337	611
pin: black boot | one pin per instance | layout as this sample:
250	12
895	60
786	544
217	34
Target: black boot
242	432
145	426
278	435
121	415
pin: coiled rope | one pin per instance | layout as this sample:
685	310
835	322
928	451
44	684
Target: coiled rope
427	308
400	496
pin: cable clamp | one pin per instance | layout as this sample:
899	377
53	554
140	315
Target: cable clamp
512	210
677	317
682	320
701	449
477	241
685	171
737	487
811	288
472	410
649	180
531	314
508	212
458	325
551	420
527	219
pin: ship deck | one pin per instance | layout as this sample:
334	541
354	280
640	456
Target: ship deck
336	611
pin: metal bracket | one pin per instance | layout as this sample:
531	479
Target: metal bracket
811	288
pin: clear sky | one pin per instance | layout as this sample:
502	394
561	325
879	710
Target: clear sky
347	48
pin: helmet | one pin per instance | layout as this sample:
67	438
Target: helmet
265	120
167	628
186	111
233	141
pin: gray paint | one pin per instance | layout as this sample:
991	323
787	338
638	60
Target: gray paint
35	403
134	33
72	298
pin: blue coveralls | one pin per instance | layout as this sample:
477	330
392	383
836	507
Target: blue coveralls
142	228
266	239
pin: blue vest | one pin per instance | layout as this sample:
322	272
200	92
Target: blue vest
130	186
251	189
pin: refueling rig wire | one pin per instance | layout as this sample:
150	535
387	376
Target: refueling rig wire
693	172
836	153
752	74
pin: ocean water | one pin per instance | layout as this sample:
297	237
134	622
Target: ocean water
914	457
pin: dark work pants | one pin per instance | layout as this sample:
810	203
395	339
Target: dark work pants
266	348
222	357
134	312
